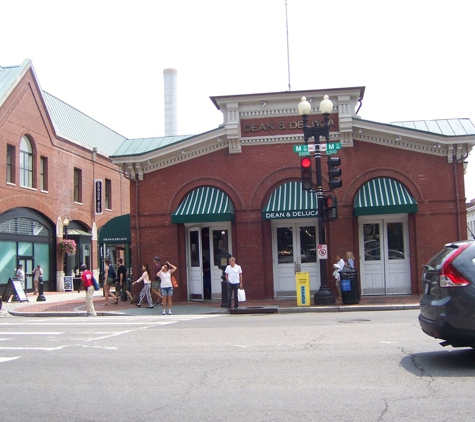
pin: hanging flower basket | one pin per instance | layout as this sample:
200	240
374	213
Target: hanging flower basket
68	246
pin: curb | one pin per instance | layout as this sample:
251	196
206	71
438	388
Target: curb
290	310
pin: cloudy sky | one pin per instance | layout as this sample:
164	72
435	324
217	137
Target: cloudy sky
106	58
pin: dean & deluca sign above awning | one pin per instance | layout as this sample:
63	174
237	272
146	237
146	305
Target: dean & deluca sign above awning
284	125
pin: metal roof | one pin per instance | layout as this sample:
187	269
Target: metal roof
71	124
142	145
447	127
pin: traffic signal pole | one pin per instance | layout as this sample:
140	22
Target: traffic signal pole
324	296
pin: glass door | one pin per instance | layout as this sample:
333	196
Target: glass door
384	255
294	250
194	254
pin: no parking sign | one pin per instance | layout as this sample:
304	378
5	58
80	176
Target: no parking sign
322	252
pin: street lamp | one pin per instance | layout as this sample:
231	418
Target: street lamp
324	296
65	236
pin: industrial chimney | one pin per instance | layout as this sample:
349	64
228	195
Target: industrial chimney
171	107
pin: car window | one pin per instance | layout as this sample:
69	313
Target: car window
436	261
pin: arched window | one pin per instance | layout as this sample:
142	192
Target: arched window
26	163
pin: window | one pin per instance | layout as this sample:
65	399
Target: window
10	164
26	163
44	173
77	185
108	195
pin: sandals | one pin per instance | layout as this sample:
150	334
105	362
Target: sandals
116	301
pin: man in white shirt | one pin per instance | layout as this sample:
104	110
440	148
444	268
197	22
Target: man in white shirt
20	275
234	278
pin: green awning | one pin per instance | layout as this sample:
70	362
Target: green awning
290	201
204	205
116	230
383	195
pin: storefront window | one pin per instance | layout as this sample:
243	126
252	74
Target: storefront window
220	244
194	248
285	245
395	241
372	250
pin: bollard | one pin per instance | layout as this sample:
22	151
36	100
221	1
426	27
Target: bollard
41	297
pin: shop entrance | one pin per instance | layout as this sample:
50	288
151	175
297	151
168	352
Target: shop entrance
204	244
294	250
28	265
384	255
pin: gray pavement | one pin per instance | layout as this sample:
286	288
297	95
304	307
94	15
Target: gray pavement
73	304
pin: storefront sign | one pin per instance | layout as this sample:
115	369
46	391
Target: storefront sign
272	126
98	196
290	214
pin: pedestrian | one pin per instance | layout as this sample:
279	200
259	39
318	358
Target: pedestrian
338	266
122	280
146	286
166	286
234	278
37	273
20	275
155	289
86	282
109	280
350	260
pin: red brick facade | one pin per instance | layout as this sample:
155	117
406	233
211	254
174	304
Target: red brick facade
264	160
24	113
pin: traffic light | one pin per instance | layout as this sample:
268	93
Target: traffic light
331	208
306	171
334	172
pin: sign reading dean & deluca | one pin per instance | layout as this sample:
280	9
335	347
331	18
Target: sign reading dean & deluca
286	125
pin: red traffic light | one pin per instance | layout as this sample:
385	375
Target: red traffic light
306	163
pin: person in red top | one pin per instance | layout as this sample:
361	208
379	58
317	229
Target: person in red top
86	281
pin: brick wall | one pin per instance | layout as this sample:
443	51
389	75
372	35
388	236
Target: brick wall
249	179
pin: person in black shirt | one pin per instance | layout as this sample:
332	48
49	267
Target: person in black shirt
123	282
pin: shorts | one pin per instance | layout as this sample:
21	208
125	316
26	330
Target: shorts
110	281
167	291
156	285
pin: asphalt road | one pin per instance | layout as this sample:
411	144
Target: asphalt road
359	366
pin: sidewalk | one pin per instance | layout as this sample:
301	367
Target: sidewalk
73	304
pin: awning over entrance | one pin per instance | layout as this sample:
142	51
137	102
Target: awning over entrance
116	230
203	205
290	201
383	195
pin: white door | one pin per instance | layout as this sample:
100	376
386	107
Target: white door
204	244
194	260
294	250
384	255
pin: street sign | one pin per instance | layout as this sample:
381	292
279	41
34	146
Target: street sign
322	252
305	150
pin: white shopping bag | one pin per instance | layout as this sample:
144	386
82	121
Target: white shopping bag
241	295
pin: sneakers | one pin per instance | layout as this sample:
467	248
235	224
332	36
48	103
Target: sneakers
164	312
169	312
150	307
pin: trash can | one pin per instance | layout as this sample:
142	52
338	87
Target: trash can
350	287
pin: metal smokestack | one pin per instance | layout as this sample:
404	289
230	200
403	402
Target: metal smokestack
171	107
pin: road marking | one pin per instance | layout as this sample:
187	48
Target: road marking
48	349
32	333
8	359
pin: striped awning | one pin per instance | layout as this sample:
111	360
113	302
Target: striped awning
383	195
290	201
203	205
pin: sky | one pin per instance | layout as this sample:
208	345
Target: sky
106	57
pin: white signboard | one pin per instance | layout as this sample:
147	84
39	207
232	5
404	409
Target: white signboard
322	252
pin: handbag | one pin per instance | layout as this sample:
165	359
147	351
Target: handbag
95	283
174	282
241	295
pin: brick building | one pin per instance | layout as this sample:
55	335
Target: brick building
237	188
55	170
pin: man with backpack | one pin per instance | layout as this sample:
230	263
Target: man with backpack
86	281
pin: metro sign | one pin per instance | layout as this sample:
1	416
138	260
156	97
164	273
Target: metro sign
305	150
